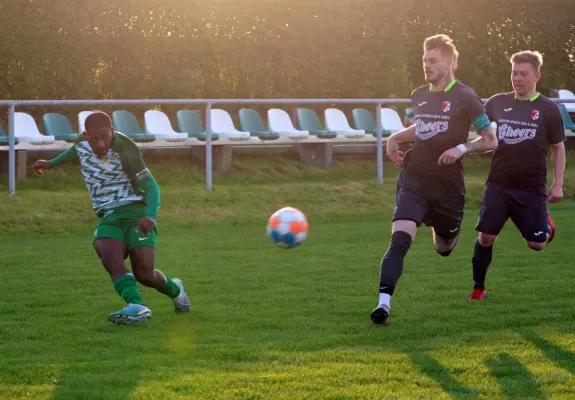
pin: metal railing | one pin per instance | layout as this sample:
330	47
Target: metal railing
12	104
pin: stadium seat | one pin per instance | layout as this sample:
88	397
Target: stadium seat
309	121
250	121
336	122
363	119
409	118
126	123
82	115
4	138
190	122
223	125
567	94
58	126
567	121
391	121
26	130
158	124
279	122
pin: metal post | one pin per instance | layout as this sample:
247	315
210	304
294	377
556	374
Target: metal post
379	144
209	146
11	152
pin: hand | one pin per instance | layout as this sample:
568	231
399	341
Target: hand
450	156
555	194
392	150
146	225
40	165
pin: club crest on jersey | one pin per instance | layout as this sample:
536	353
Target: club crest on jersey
446	106
535	115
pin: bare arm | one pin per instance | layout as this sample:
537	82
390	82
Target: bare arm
405	135
486	142
392	145
558	160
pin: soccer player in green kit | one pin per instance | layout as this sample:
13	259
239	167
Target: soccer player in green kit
126	198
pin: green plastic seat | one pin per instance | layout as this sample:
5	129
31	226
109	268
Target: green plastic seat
190	123
126	122
362	119
308	121
4	138
58	126
567	121
250	121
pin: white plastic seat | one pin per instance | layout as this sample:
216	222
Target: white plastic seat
336	122
567	94
279	122
391	121
26	130
82	115
158	124
223	125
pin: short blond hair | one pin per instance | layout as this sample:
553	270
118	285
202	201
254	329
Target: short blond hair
530	57
443	43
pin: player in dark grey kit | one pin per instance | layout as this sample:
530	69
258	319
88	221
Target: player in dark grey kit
528	123
430	188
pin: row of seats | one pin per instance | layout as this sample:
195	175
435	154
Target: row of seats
158	125
567	95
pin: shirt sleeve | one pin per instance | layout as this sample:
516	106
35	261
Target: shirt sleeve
476	113
555	126
142	179
68	155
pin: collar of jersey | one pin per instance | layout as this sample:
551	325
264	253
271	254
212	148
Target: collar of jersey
532	99
448	87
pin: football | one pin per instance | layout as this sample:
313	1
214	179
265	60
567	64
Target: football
287	227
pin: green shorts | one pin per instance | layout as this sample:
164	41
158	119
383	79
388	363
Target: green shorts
121	224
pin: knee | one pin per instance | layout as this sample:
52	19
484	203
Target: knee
486	240
444	246
444	253
144	275
536	246
401	241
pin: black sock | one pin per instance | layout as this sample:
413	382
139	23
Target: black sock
392	263
481	260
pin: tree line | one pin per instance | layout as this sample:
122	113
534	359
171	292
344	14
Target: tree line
72	49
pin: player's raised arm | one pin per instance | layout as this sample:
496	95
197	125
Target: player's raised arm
392	144
68	155
486	141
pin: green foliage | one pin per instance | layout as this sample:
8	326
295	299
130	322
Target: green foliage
268	49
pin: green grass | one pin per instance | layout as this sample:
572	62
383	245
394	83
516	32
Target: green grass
269	323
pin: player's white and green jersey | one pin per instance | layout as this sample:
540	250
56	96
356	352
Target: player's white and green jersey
117	179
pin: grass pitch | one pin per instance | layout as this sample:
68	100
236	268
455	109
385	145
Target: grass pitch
268	323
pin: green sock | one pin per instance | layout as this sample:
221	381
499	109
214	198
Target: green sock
127	288
171	289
